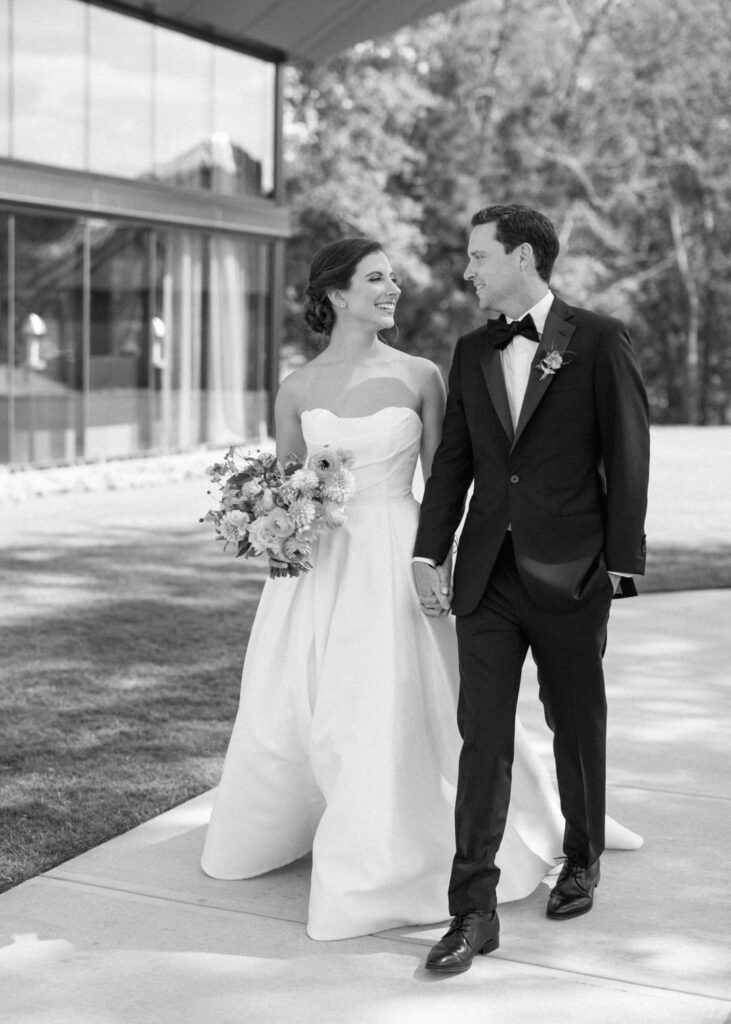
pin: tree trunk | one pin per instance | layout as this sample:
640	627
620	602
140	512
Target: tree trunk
692	355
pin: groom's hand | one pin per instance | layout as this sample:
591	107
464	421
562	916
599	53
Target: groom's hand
433	588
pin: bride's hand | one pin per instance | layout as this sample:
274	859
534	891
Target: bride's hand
433	589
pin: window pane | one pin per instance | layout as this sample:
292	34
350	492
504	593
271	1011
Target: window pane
243	124
236	375
48	69
4	77
120	94
119	356
182	109
48	338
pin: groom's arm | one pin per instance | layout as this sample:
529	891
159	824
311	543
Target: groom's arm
451	475
623	419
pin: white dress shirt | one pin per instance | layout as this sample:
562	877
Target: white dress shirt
517	356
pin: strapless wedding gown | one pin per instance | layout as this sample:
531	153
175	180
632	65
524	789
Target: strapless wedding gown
346	741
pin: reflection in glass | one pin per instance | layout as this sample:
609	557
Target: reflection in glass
85	87
119	348
4	77
236	389
182	110
243	129
129	338
47	370
120	94
49	76
6	352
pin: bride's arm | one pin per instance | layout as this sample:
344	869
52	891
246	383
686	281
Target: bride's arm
288	425
433	402
435	592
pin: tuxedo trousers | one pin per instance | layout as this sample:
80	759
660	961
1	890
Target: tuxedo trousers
568	649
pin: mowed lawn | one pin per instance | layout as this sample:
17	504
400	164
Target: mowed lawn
124	627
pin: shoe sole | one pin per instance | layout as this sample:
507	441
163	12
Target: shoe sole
489	947
559	916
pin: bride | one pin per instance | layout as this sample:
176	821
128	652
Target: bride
346	741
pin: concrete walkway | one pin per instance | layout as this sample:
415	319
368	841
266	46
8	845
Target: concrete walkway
133	933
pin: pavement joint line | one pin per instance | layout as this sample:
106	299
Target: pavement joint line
671	792
148	894
404	940
587	974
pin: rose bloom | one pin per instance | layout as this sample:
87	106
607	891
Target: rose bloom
324	462
553	360
297	549
261	536
280	523
334	513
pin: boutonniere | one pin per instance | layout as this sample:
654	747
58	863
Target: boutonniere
552	361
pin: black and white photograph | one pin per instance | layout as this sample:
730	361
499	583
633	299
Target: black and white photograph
365	547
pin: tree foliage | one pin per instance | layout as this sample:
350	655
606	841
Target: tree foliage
612	117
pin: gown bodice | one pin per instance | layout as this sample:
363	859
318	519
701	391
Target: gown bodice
384	445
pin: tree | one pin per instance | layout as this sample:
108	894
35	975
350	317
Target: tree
610	116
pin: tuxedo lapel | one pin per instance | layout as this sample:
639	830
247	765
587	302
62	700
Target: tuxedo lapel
492	371
556	336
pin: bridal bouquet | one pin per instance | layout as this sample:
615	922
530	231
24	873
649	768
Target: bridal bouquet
269	509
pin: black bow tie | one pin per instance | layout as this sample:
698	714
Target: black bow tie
501	333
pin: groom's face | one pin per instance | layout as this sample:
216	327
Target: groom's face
493	272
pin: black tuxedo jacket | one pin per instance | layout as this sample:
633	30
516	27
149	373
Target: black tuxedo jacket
570	480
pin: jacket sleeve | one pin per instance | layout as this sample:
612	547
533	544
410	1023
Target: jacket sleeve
451	475
624	428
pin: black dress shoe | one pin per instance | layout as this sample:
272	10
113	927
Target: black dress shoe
470	933
573	893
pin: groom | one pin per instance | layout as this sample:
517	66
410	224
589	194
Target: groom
547	418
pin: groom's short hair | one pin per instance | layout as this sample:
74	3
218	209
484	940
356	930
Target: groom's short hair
516	224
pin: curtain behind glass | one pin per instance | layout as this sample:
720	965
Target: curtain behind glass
228	340
179	349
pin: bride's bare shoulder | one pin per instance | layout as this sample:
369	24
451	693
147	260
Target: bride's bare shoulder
418	368
293	387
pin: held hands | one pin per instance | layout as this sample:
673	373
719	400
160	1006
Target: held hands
433	587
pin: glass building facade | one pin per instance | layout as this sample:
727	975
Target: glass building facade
141	235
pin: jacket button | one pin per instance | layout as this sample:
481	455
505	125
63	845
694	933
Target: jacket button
514	478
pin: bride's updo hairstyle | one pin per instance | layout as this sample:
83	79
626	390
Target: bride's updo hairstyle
333	268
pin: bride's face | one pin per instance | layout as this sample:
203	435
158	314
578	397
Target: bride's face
371	297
